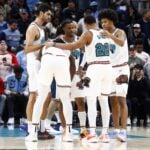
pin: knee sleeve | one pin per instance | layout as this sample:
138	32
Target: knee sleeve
64	94
105	111
38	106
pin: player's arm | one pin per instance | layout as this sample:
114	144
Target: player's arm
85	39
31	35
118	38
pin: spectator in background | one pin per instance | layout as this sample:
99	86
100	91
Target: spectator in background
17	92
14	12
82	28
23	23
145	23
8	6
58	10
8	61
21	57
2	99
140	50
3	23
52	27
139	95
31	4
94	9
133	59
2	8
70	12
12	36
147	69
138	34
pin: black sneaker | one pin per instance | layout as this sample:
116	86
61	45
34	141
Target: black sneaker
45	136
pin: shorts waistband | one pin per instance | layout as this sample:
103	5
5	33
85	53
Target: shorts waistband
99	62
120	65
47	53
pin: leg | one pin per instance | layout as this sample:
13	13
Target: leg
123	112
115	111
61	115
81	111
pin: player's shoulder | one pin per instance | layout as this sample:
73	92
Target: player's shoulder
32	27
120	31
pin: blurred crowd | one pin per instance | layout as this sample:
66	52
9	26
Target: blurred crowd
15	17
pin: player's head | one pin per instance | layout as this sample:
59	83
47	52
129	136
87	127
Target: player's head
89	21
108	18
43	11
67	27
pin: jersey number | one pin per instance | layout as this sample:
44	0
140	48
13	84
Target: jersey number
102	49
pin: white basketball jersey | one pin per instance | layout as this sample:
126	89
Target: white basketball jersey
119	54
54	51
98	49
32	55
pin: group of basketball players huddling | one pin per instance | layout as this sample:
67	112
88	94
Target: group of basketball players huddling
105	52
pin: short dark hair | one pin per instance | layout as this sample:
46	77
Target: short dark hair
41	7
66	21
139	66
11	21
89	19
18	69
108	14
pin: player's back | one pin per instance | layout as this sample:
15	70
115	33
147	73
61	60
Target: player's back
54	51
98	49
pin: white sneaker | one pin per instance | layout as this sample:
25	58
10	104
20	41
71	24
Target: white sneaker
52	130
10	120
104	138
32	137
92	138
67	137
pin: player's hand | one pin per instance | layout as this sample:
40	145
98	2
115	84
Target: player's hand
49	44
105	34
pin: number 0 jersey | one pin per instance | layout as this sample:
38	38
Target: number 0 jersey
98	49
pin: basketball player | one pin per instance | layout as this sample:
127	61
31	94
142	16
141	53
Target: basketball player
54	63
98	59
35	38
119	59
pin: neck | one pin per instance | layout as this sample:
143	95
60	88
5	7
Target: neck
39	22
69	39
94	26
111	30
3	52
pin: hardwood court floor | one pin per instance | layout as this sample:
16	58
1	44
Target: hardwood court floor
13	138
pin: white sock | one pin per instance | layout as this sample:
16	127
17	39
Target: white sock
117	130
92	113
57	116
82	118
29	126
105	113
42	125
123	130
